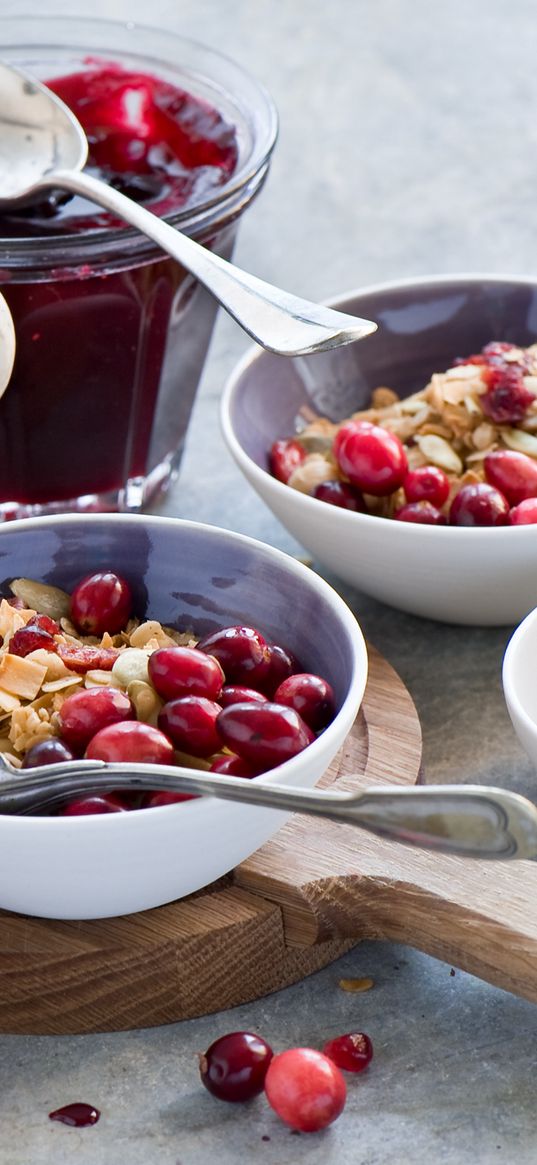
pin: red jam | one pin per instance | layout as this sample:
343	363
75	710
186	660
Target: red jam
153	142
109	353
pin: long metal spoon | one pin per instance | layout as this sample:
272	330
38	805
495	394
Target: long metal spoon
42	145
467	819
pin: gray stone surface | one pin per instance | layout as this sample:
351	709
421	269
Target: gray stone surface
407	146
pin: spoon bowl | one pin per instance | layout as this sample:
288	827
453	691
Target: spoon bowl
43	146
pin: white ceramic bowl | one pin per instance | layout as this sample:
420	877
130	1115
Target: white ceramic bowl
519	677
190	576
458	575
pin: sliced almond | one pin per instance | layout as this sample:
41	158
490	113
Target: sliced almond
151	629
439	452
45	599
146	702
520	441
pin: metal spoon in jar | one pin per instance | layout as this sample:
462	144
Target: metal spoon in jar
43	146
472	820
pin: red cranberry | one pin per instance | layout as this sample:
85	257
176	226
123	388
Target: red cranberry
514	474
281	665
45	623
263	734
78	1115
82	658
243	653
165	797
233	766
28	639
305	1088
525	514
235	1066
340	493
47	752
285	457
131	740
478	505
238	694
310	696
423	513
344	431
428	483
507	399
351	1052
190	722
371	457
185	671
101	602
84	713
98	803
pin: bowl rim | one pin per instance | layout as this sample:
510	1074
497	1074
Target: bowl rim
354	519
509	670
319	585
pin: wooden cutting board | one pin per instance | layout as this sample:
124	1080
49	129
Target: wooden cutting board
302	900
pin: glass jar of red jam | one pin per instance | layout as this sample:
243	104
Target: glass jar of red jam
111	333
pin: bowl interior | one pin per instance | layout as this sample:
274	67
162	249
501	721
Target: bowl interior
423	325
191	577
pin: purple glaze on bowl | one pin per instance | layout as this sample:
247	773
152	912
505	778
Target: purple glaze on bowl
191	577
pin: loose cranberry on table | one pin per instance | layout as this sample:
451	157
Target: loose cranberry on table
479	505
85	712
101	602
305	1088
310	696
185	671
190	722
285	456
423	513
266	735
427	483
131	740
525	514
234	1067
514	474
242	652
352	1052
372	458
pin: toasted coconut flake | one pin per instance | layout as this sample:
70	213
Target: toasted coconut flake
22	677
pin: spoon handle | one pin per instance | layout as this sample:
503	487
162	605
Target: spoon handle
467	819
277	320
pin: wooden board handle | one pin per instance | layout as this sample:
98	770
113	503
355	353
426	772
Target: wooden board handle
472	914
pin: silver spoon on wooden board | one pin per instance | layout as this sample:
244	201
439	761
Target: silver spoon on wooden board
43	146
473	820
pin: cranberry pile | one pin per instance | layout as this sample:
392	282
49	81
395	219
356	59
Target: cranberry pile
305	1087
371	462
237	701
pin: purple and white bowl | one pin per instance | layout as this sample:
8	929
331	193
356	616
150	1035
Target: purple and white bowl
481	576
198	578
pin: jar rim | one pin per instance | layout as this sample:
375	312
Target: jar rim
204	67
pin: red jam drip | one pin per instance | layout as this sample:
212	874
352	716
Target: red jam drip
78	1115
155	143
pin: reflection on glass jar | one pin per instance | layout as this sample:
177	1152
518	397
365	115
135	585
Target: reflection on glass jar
111	334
